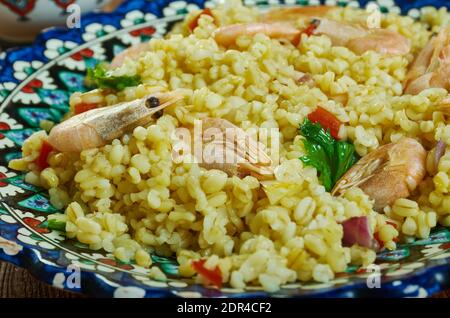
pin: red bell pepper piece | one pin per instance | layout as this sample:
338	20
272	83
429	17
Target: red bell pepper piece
41	161
308	31
327	120
194	23
376	236
212	276
392	223
395	239
84	107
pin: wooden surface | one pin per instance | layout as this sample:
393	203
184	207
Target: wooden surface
16	282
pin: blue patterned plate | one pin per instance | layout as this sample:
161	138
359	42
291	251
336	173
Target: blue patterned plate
35	84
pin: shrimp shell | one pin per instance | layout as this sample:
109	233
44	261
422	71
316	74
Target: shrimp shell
431	67
354	37
133	52
295	13
97	127
389	173
230	141
227	35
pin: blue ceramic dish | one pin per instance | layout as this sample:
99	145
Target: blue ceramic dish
35	84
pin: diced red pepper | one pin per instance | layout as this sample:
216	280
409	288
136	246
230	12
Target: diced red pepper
395	239
41	161
212	276
376	236
308	31
327	120
194	23
361	270
392	223
445	246
84	107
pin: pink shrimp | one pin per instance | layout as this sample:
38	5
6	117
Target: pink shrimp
431	68
279	24
133	52
97	127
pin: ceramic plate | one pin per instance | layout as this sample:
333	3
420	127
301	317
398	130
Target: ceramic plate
35	84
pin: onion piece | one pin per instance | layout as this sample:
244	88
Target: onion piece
439	152
357	231
306	79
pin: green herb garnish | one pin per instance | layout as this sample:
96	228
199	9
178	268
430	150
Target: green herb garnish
331	158
57	222
56	225
100	77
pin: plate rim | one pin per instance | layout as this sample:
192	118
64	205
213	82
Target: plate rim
425	278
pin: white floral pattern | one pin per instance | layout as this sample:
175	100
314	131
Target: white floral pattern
214	3
129	292
431	249
9	189
388	5
179	7
12	123
97	30
5	89
24	236
137	17
414	13
56	47
23	70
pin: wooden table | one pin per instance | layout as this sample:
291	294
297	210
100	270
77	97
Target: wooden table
16	282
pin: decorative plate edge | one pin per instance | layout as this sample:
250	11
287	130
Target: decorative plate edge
422	283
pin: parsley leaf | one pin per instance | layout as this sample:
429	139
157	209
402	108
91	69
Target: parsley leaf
318	158
100	77
330	157
346	158
56	225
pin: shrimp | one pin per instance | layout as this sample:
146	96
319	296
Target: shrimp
230	149
279	24
133	52
431	68
389	173
293	14
444	105
97	127
227	35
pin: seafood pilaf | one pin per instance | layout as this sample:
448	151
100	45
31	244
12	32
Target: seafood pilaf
340	145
